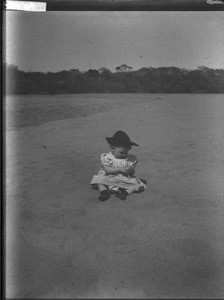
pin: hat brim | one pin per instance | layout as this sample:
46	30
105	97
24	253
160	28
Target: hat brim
111	141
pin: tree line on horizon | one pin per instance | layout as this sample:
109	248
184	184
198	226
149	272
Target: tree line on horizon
123	80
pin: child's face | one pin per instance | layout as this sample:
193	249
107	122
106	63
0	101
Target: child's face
120	152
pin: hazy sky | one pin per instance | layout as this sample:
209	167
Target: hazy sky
55	41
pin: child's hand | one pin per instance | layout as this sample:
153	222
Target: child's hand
131	172
124	172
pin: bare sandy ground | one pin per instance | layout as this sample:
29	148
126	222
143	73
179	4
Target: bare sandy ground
165	242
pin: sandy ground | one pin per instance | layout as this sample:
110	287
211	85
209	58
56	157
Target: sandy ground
165	242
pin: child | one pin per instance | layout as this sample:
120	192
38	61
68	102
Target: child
117	169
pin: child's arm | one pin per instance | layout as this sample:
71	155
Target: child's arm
131	172
107	165
115	171
133	162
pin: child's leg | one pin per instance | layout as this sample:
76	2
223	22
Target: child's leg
141	189
102	187
124	193
129	191
104	193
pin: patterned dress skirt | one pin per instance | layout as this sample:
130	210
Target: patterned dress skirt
113	182
117	181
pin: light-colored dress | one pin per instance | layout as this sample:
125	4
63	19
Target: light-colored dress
118	181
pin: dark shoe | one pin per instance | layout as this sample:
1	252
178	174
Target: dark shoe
141	189
122	195
143	180
104	195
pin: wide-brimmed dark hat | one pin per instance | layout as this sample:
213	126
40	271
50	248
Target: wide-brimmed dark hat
120	138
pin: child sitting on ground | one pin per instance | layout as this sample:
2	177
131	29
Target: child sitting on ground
117	169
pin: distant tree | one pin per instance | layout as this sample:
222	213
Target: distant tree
93	73
144	80
74	72
203	69
143	71
124	68
62	75
105	74
104	71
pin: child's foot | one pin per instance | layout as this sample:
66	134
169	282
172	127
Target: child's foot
122	195
141	189
143	180
104	195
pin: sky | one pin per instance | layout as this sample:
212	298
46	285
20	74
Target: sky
55	41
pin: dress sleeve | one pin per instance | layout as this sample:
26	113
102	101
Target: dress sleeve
106	160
